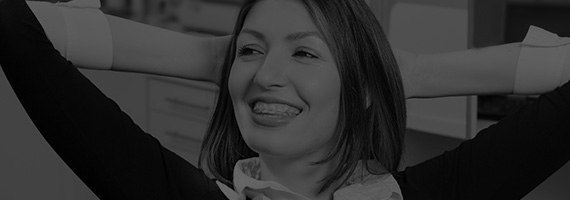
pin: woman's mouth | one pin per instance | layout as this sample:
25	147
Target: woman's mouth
275	109
273	114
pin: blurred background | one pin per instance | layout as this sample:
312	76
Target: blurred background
176	111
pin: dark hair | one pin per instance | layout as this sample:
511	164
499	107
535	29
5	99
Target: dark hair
372	116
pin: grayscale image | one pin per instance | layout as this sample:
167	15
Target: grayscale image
285	99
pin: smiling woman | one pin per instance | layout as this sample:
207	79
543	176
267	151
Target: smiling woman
310	57
311	106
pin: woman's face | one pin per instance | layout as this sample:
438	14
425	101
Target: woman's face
284	82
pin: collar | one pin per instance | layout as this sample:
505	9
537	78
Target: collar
360	186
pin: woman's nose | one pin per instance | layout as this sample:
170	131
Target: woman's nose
272	73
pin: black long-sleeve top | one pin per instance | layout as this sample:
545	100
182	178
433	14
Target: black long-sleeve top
117	160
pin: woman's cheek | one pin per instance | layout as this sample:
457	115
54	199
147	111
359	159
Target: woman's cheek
318	87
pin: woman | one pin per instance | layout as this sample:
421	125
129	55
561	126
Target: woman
272	66
308	99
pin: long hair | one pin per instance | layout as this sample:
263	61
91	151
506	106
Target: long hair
372	114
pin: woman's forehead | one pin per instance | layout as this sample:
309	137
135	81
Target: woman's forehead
280	16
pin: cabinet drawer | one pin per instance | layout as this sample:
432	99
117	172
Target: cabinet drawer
171	130
178	112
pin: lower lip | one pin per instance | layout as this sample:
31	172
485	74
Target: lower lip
269	121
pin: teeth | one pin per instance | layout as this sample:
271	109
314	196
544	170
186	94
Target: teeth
275	109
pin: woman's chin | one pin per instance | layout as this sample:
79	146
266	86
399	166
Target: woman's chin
274	147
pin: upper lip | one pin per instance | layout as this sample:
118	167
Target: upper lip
270	99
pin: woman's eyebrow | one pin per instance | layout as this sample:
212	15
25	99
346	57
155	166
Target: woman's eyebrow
254	33
288	38
301	35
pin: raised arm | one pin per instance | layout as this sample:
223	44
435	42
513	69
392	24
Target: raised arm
537	65
505	161
488	70
113	156
135	47
147	49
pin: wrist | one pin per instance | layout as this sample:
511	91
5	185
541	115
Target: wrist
541	62
80	32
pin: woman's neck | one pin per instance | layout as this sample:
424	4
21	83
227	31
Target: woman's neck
299	175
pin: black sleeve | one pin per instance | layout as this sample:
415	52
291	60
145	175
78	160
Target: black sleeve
99	142
505	161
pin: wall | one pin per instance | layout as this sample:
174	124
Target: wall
29	168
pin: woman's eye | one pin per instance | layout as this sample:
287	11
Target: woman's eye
304	54
246	51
